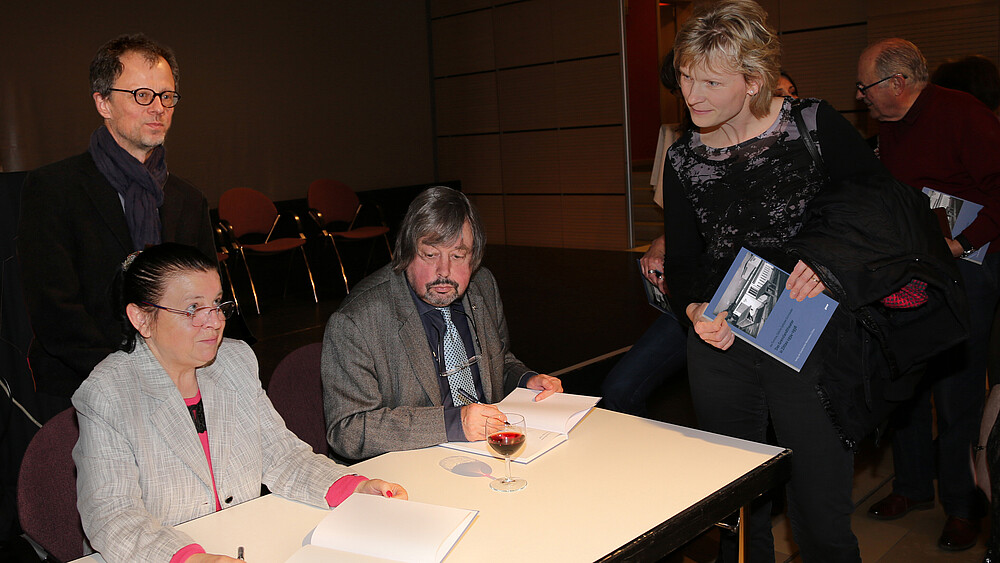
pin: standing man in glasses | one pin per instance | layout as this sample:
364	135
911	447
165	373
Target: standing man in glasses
948	141
419	349
82	216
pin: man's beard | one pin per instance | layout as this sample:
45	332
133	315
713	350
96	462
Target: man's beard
437	299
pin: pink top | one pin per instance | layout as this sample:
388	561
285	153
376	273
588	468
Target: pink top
339	490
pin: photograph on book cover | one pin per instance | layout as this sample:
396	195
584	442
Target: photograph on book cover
751	294
951	205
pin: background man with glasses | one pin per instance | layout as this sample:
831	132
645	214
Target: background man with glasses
82	216
948	141
418	346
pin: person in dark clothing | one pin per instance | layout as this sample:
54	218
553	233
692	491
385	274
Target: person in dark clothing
82	216
744	176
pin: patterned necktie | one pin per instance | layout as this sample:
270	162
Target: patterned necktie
455	356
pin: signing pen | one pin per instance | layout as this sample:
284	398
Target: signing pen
239	553
465	395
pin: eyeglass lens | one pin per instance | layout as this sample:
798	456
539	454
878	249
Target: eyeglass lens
201	314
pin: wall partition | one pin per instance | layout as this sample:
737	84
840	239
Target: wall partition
529	115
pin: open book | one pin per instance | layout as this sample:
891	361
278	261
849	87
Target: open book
548	421
395	530
760	311
960	213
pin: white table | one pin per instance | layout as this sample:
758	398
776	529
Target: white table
620	487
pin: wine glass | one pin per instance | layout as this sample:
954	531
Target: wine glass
506	437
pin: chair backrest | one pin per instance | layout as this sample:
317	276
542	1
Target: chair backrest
297	394
247	211
335	200
46	489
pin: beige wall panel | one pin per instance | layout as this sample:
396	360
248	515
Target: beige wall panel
887	7
596	222
796	14
523	33
528	98
824	63
466	104
530	162
475	160
490	209
446	7
532	220
589	92
584	28
592	160
463	44
944	33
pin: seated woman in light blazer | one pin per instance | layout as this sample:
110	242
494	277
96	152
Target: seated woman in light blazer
175	425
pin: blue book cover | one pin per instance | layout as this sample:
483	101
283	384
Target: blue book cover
761	312
961	213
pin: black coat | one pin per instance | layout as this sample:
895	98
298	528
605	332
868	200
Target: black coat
72	239
866	238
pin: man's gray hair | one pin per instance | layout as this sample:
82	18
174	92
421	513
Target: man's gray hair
437	216
899	56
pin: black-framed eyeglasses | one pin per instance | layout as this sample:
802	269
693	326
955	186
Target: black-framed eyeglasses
200	315
862	88
145	96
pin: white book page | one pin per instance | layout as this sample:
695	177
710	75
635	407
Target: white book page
536	443
559	412
418	532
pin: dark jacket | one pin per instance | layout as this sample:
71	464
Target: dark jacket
866	238
72	239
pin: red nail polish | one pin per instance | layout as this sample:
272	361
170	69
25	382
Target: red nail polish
388	494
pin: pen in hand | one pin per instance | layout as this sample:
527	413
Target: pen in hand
239	553
465	395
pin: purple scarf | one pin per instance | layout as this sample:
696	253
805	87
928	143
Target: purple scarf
139	184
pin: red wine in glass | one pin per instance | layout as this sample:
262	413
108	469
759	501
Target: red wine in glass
506	437
506	443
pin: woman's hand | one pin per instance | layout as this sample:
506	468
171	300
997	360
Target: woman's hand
803	282
381	488
652	262
715	332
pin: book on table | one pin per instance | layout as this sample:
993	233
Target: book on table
960	213
547	422
760	311
386	529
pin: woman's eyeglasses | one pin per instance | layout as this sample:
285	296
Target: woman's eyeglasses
199	316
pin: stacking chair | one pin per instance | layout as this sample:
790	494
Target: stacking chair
296	392
243	212
335	208
46	489
222	254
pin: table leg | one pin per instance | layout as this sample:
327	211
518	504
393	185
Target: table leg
743	534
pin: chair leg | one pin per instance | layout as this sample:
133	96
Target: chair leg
229	278
253	288
309	272
340	261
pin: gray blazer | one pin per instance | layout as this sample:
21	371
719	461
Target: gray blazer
380	388
140	464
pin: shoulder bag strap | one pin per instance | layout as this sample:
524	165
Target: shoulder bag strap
806	134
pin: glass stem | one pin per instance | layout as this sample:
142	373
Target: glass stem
507	460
